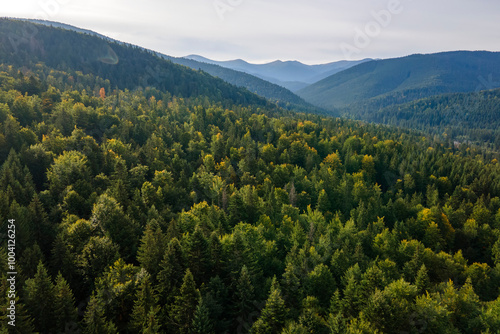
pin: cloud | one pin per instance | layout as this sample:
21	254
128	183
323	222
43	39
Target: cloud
258	30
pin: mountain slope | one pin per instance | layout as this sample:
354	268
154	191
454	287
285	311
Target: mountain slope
256	85
273	92
293	75
126	67
471	117
391	81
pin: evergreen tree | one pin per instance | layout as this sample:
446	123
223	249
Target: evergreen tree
152	248
422	281
244	294
40	300
171	270
184	307
201	320
198	255
152	325
94	321
273	316
64	304
145	303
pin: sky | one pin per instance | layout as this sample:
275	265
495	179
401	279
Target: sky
259	31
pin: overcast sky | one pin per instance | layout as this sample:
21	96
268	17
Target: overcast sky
311	31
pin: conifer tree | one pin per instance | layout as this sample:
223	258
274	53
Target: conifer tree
94	320
40	300
171	270
64	304
152	325
202	323
422	281
184	307
145	303
152	248
273	316
198	255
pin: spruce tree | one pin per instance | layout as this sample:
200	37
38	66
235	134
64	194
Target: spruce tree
64	304
198	255
40	300
422	281
273	316
152	325
94	320
202	323
146	301
185	304
152	248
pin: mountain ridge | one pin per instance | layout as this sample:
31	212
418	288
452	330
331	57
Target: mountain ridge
404	79
291	74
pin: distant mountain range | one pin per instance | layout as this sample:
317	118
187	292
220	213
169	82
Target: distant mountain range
379	83
292	75
276	93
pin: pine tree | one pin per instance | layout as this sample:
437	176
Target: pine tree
184	307
323	202
216	255
244	294
64	304
273	316
292	288
23	321
311	318
41	229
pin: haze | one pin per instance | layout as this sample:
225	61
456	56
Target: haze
314	31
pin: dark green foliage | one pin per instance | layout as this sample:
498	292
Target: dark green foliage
64	305
145	311
152	248
40	299
462	117
94	321
184	308
273	92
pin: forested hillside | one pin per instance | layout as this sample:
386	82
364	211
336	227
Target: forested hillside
381	83
101	48
144	212
463	117
273	92
25	44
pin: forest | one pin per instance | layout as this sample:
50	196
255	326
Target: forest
140	211
473	118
